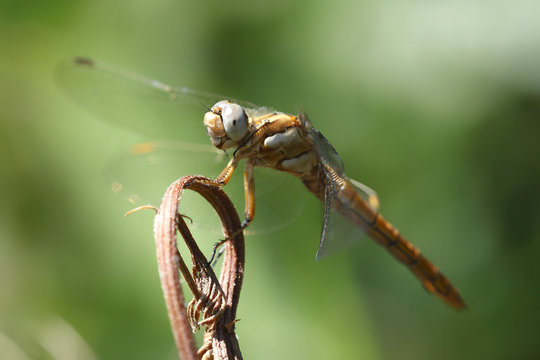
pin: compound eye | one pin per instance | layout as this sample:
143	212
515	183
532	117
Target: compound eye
234	120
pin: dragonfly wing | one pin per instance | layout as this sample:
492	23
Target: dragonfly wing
328	225
337	231
144	171
160	111
367	193
149	107
279	200
327	153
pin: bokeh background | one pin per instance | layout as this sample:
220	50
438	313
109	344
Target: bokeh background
436	105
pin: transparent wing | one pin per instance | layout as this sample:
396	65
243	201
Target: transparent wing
158	110
330	223
137	103
337	231
325	150
143	172
367	193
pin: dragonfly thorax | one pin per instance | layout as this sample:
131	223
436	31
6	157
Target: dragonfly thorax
227	124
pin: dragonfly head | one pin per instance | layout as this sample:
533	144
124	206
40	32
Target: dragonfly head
227	124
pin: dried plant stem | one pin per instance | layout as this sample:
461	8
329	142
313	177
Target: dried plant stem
215	301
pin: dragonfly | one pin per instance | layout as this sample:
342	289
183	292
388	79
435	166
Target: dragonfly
260	137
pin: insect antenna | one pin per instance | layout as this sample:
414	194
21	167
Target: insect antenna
205	107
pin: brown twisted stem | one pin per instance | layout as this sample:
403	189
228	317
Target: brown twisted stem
216	301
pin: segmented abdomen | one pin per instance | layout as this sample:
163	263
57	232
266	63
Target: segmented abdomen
355	208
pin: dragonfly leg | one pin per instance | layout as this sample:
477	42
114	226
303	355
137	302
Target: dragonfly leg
249	212
249	190
249	194
249	187
216	255
225	175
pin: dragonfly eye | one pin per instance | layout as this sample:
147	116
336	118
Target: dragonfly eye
234	120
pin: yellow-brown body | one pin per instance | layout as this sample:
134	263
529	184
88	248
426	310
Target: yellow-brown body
288	143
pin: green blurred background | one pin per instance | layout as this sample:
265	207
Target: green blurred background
435	104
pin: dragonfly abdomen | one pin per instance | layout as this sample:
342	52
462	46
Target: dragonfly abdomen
405	252
357	210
